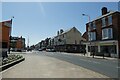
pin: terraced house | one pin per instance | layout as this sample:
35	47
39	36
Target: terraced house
103	34
67	41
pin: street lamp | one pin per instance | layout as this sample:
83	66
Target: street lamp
87	16
89	31
10	35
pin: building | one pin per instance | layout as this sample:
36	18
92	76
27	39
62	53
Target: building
5	32
103	34
17	43
84	35
67	41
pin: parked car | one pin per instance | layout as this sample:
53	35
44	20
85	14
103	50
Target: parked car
39	49
53	50
50	50
29	49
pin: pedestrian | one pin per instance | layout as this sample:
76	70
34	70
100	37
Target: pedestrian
84	52
93	52
103	55
4	54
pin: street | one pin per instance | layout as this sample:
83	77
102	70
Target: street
62	65
103	66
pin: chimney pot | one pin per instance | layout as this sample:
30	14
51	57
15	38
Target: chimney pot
104	10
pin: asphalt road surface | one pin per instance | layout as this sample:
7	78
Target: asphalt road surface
108	67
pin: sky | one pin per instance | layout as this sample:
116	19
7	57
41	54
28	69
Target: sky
39	20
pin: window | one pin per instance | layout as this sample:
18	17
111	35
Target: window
103	22
89	27
110	20
92	36
110	33
90	24
94	26
89	36
107	33
104	33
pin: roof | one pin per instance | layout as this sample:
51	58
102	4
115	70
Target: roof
7	23
109	13
66	31
84	35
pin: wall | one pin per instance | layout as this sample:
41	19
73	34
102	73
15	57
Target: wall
73	35
5	34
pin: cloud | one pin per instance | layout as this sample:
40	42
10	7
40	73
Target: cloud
42	9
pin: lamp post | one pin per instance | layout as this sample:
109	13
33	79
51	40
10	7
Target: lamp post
10	35
87	16
88	30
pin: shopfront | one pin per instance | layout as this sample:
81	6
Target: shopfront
109	48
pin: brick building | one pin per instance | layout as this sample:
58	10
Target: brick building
5	32
103	34
17	43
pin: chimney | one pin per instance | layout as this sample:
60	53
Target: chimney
21	37
61	31
104	10
57	33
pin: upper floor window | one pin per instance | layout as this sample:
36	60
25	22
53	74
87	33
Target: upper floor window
110	20
103	22
107	33
94	25
89	36
92	36
90	26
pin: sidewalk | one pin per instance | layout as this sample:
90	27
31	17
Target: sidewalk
36	66
86	55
